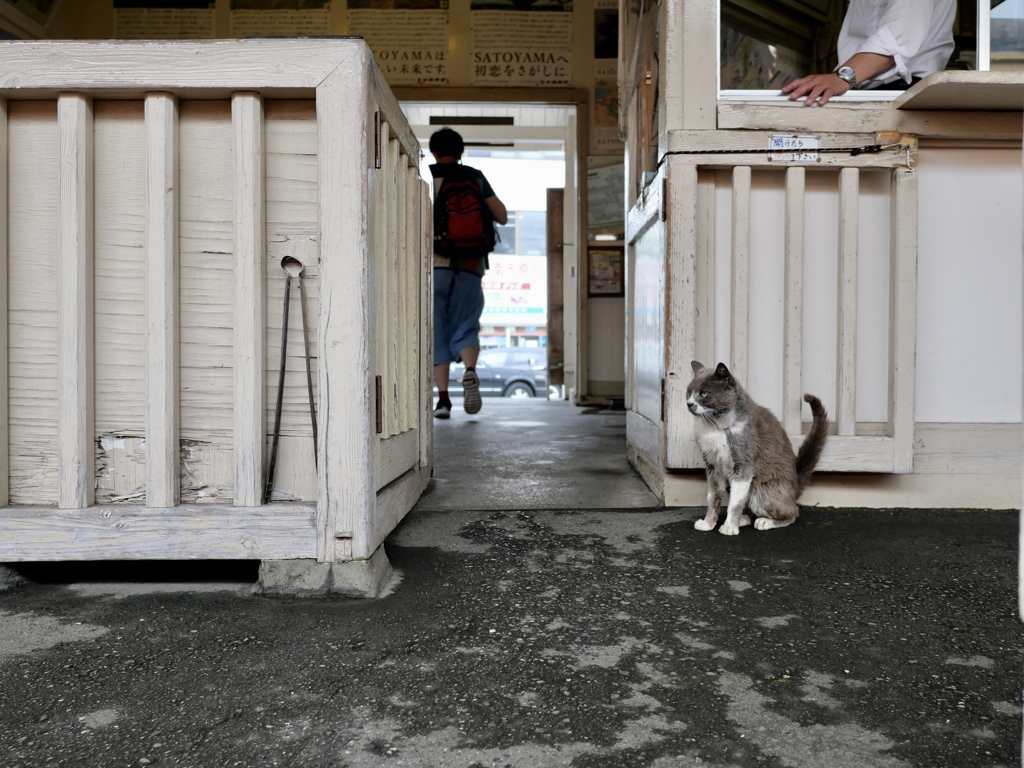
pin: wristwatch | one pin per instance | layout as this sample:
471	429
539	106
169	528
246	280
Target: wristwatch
847	74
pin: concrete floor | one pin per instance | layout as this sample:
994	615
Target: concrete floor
533	454
547	614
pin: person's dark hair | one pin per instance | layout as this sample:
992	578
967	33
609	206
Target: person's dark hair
447	143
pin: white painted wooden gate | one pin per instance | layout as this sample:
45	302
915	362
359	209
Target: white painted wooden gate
152	192
702	261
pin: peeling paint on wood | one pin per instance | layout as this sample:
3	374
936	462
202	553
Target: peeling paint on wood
163	191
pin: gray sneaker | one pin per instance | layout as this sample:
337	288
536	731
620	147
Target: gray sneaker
471	392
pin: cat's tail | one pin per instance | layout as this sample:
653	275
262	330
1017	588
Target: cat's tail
810	450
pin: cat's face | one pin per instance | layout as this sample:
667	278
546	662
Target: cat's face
712	392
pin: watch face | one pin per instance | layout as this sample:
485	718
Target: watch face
847	74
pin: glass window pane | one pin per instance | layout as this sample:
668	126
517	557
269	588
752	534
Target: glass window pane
532	233
506	235
1007	36
492	357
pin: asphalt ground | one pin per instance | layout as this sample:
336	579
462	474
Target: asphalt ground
540	638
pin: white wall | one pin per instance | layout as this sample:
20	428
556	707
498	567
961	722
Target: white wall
969	267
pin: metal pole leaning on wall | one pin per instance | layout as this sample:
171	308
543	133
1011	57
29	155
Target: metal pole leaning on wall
293	268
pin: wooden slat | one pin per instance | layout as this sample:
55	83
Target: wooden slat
205	309
409	271
790	117
854	453
162	445
740	343
396	499
722	140
846	364
681	298
4	385
395	318
903	317
966	91
187	532
119	296
425	283
75	310
33	303
692	41
705	268
249	414
290	136
397	455
793	301
346	494
651	319
380	254
232	65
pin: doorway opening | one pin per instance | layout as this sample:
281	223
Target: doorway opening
525	151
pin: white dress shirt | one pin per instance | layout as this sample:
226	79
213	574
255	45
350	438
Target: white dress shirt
918	34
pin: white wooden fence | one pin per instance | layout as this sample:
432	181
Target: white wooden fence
700	265
151	193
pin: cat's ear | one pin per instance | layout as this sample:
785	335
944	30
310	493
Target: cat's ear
721	372
698	368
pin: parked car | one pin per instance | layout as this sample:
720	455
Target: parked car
506	372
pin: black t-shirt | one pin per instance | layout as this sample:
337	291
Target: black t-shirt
440	171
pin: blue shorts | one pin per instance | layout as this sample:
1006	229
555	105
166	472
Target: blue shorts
458	303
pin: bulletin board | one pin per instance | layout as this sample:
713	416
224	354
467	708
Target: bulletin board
604	271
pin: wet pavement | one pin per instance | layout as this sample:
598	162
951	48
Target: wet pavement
541	638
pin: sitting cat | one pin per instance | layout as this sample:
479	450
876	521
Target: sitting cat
747	451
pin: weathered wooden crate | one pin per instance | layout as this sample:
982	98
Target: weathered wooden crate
150	191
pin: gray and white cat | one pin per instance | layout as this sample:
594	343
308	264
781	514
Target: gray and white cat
748	453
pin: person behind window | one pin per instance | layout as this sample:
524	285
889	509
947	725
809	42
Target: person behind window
883	45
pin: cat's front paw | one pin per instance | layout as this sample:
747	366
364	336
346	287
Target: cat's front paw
703	525
728	529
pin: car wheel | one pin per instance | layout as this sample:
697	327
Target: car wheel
518	389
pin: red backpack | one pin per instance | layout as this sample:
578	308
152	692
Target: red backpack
463	225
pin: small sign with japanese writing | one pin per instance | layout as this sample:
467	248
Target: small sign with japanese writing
793	149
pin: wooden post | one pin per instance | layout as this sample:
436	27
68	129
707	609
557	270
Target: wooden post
75	308
425	272
411	271
383	213
5	464
794	301
903	328
690	87
346	496
846	364
740	343
394	318
681	297
250	410
162	443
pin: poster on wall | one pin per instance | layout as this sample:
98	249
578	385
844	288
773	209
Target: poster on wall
604	132
409	38
606	203
171	20
604	129
280	18
515	290
605	272
521	42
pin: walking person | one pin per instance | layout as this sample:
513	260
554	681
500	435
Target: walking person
465	210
